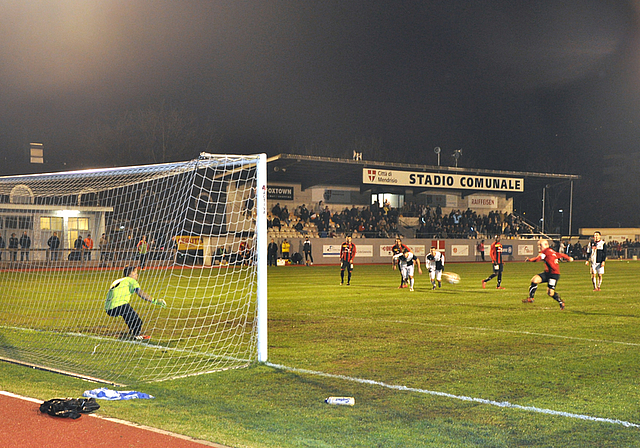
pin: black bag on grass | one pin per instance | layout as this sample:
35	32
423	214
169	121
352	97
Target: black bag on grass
69	407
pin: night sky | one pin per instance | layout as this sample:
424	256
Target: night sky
523	86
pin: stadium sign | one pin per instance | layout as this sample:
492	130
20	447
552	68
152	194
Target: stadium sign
333	250
188	242
459	250
386	250
483	201
441	180
280	193
526	250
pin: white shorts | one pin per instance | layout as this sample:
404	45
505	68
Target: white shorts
407	271
435	275
597	268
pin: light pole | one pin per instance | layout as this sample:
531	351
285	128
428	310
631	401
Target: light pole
561	220
437	150
544	190
544	193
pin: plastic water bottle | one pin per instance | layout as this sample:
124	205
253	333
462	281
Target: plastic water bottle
345	401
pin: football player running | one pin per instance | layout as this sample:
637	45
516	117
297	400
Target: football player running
406	261
551	273
597	251
435	263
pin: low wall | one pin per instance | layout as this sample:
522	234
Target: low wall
378	251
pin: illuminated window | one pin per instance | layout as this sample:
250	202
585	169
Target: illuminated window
50	223
74	227
72	236
78	224
395	200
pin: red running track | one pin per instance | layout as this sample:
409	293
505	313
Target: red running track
24	426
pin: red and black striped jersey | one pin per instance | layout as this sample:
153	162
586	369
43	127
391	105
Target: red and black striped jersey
496	252
347	252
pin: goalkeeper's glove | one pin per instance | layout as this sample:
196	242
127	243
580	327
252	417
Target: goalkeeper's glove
161	303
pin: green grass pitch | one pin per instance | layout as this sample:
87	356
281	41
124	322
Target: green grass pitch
56	319
427	368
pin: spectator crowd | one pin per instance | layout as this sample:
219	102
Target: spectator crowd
615	249
382	221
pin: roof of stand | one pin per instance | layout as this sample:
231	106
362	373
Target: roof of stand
310	171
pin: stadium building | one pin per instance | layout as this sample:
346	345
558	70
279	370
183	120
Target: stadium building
336	184
318	183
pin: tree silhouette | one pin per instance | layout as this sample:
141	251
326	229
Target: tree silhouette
154	134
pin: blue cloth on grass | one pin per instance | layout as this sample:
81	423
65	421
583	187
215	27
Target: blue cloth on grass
106	394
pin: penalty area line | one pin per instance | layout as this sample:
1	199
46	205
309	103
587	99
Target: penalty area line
501	404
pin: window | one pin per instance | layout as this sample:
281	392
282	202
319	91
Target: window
78	224
50	223
72	236
74	227
395	200
18	222
25	222
11	222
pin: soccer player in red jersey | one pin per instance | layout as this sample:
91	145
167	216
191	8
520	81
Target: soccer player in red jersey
551	273
496	259
347	253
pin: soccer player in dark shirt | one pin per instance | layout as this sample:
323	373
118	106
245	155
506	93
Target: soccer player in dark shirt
551	273
496	260
347	253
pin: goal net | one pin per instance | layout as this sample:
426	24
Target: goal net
196	232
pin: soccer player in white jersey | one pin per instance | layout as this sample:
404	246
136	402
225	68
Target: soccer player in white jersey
435	263
406	260
398	248
597	252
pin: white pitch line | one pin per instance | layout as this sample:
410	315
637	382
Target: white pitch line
502	404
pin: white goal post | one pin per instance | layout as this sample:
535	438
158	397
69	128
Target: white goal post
196	233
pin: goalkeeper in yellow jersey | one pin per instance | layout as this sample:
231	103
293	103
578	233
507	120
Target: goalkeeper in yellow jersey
119	295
